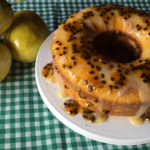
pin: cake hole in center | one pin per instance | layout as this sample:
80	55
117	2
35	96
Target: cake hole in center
118	47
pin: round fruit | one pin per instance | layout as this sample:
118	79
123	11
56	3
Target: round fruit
26	35
5	61
6	16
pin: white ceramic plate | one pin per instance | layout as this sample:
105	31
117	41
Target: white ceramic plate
116	130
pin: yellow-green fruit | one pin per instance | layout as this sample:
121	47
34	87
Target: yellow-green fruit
5	61
26	35
6	16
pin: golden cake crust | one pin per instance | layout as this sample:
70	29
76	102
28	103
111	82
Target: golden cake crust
119	108
121	88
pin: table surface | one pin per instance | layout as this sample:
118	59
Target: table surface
25	121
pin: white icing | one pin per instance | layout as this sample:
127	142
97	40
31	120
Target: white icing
100	118
136	120
143	89
62	94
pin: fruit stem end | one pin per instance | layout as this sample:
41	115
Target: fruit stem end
14	3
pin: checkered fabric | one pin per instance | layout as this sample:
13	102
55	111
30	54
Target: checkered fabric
25	121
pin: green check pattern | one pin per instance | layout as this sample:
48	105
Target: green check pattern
25	121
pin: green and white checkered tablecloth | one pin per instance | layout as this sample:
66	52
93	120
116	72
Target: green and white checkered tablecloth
25	121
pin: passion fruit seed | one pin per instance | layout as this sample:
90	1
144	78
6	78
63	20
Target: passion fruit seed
70	107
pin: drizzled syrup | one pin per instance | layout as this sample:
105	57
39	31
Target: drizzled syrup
47	73
71	107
